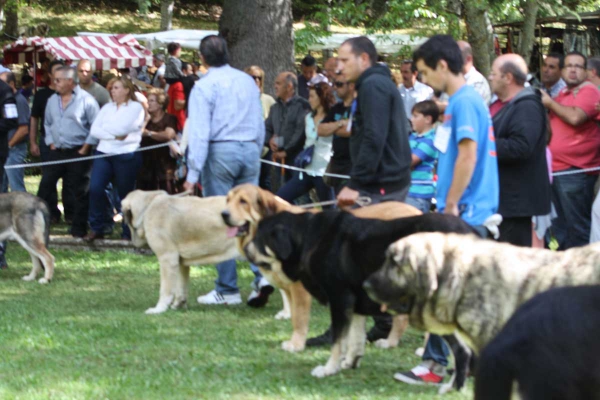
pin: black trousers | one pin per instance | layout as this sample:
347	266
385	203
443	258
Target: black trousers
76	177
516	230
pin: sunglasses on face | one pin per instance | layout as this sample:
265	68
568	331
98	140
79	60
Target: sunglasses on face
340	84
257	78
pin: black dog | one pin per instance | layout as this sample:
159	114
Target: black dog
549	347
332	253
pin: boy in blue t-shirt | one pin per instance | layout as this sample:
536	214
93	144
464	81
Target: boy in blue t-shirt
467	184
424	155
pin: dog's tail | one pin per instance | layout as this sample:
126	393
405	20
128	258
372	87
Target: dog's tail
43	208
495	377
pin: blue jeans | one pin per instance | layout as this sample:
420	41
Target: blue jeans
121	169
15	178
423	205
573	196
297	187
436	350
229	164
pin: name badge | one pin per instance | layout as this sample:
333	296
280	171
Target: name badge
442	138
10	111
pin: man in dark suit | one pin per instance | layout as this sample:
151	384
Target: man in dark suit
520	128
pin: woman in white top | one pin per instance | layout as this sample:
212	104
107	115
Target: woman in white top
320	97
118	126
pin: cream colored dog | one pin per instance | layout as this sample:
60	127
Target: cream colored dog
181	231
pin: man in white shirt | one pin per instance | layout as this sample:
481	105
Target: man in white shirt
474	77
158	80
411	90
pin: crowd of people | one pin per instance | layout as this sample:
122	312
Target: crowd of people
477	146
443	134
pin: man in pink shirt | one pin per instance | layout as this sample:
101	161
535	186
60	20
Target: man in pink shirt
575	145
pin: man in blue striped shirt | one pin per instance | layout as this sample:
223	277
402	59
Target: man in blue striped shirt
424	155
226	136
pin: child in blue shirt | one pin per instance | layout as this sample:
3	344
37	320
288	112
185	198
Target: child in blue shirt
424	155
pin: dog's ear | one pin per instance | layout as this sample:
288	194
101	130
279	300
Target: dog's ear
267	203
282	238
416	264
450	253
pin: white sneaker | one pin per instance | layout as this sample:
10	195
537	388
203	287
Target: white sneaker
217	298
260	295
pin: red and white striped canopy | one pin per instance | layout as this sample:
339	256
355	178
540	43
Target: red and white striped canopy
104	52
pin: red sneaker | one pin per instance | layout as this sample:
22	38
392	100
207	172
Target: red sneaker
419	375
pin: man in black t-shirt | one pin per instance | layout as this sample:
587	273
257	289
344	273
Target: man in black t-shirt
42	150
336	123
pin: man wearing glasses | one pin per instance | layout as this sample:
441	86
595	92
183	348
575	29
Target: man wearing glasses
575	145
336	123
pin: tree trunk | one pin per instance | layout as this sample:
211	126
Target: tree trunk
259	32
478	35
11	10
530	9
166	14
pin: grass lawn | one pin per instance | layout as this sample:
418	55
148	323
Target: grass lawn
85	336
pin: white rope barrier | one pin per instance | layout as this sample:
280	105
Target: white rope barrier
275	164
72	160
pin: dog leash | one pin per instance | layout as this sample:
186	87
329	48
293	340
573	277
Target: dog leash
361	201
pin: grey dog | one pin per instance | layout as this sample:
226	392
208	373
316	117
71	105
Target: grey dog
26	219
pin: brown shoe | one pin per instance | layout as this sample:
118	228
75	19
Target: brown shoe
90	237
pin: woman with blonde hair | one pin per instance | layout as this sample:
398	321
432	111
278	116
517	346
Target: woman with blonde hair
258	74
158	167
118	126
266	101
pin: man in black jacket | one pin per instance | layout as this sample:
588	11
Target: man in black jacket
9	119
519	119
379	146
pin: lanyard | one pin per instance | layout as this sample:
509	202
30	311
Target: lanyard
352	111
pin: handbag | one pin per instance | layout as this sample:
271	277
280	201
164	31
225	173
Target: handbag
304	157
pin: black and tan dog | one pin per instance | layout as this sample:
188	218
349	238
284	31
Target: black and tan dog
332	253
247	205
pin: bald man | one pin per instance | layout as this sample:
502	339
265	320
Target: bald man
519	119
84	75
472	76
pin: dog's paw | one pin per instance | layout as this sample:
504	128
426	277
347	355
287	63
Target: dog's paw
323	370
43	281
156	310
288	345
351	362
179	304
283	315
28	278
384	344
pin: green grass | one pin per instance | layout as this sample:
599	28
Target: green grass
85	336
